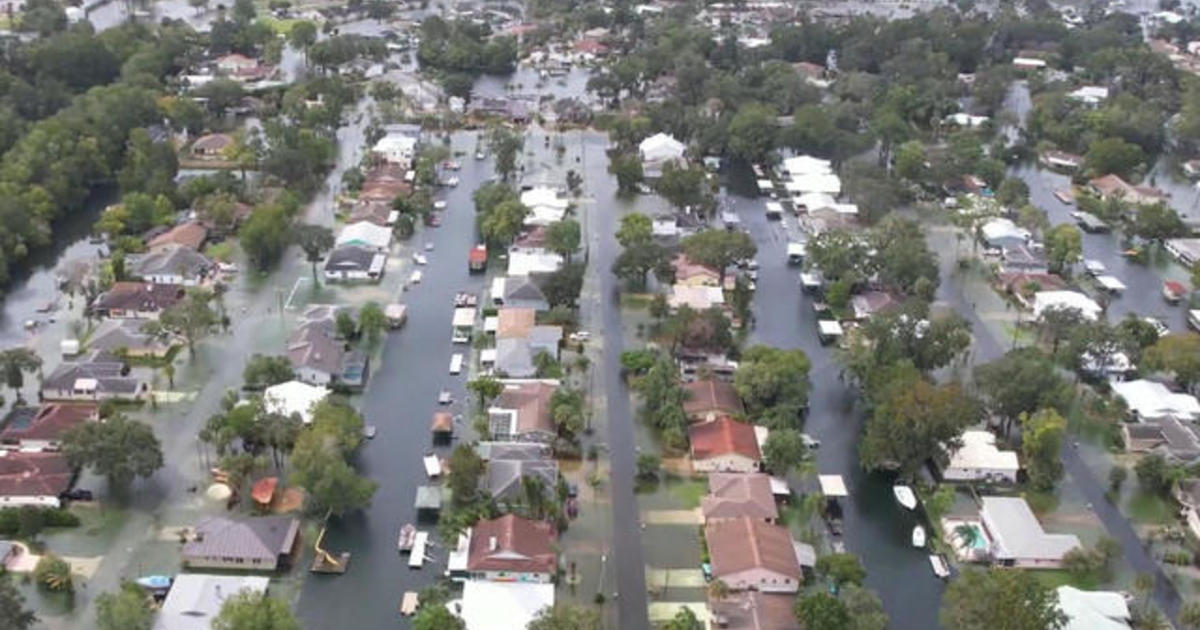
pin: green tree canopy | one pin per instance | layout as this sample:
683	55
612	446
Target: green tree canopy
1041	445
719	248
996	599
118	448
252	611
773	383
126	609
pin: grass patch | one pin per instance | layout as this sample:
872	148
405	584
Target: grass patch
281	27
1040	502
153	362
689	492
1055	578
222	251
636	300
1146	507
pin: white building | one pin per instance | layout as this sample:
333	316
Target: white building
1093	610
1149	400
1018	539
1091	95
806	165
978	459
965	120
294	397
489	605
523	262
1061	300
367	235
545	206
195	599
396	148
659	150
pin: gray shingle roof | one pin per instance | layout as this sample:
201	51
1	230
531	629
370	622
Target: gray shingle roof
260	538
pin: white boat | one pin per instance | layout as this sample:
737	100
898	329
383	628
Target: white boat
428	247
939	566
415	278
419	258
905	496
918	537
456	363
417	557
1094	267
440	204
433	467
445	398
479	155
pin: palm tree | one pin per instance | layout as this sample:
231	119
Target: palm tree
967	534
718	589
16	362
1189	615
533	491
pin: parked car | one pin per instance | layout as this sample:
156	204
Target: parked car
78	494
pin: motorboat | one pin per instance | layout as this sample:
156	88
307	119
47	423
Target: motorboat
905	496
445	398
369	431
918	537
440	204
408	533
428	247
939	566
419	258
479	155
154	582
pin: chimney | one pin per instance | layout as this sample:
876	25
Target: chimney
492	543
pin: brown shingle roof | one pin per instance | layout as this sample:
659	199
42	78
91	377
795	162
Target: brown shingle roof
752	610
34	474
723	437
512	543
531	400
515	323
742	544
190	234
711	396
139	296
733	495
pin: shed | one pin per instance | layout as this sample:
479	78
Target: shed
832	486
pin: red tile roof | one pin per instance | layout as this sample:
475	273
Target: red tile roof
711	396
733	495
741	544
686	268
34	474
513	543
50	422
190	234
723	437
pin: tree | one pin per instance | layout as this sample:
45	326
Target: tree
912	422
506	146
16	362
841	569
302	36
1116	478
54	574
567	411
337	424
436	617
773	383
503	223
372	322
566	617
752	132
1154	474
822	611
634	263
866	611
648	465
333	486
910	160
783	451
1021	382
563	238
344	325
1178	354
636	229
1189	615
1064	246
466	468
12	606
126	609
315	240
562	287
719	248
248	610
117	448
264	237
628	170
997	599
485	389
683	187
263	371
1113	155
1158	222
685	619
192	317
1041	443
1013	192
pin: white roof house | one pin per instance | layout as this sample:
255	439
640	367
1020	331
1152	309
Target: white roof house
661	147
1001	232
545	206
814	201
1093	610
1089	94
530	261
365	234
699	298
807	165
814	182
195	599
1150	400
489	605
1018	539
966	120
294	397
1050	300
396	148
979	459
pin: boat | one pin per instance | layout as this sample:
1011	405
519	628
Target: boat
415	278
419	258
408	534
479	155
1173	291
456	363
905	496
428	247
939	566
918	537
445	398
409	603
1094	267
154	582
417	555
369	431
1064	196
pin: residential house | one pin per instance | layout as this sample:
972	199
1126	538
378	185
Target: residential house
261	543
527	262
752	610
378	212
195	599
33	478
315	354
869	303
354	263
659	150
519	292
545	206
125	337
505	478
489	605
514	323
531	239
1044	301
724	445
708	399
737	495
515	358
1150	400
693	274
752	554
1022	258
136	300
1185	250
1000	233
1061	160
41	428
1023	284
512	548
1191	168
191	234
1111	185
243	68
211	146
94	377
1017	537
1090	95
294	398
396	148
1093	610
1167	436
522	411
964	120
170	264
367	235
977	458
699	298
